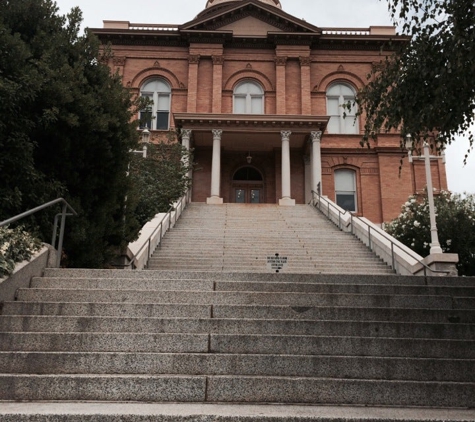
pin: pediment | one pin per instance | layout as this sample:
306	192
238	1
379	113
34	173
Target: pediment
249	26
250	17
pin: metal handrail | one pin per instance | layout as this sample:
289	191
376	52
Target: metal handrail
63	215
380	232
168	214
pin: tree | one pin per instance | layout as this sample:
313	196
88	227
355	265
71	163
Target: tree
66	129
455	223
160	179
426	86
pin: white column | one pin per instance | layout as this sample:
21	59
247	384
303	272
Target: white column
434	245
215	199
185	141
185	138
286	199
316	160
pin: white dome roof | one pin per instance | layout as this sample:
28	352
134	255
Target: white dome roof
211	3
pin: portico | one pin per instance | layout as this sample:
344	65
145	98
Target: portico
257	159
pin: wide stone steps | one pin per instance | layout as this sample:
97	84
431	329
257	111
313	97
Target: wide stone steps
236	238
202	346
313	366
53	324
241	298
237	389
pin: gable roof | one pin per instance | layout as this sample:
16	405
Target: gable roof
226	14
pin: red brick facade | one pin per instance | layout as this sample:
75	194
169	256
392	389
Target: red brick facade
295	64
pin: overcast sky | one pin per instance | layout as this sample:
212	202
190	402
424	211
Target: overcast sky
323	13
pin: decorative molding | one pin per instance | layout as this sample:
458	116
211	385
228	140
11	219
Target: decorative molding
378	66
267	18
186	133
285	135
281	60
194	59
371	171
218	60
341	68
119	60
249	66
316	136
156	64
305	61
217	134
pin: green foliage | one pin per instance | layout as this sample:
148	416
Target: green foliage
16	245
65	129
160	179
455	224
427	85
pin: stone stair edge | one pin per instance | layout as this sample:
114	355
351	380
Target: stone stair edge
183	412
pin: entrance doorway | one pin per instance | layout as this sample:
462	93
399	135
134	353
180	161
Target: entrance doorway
248	186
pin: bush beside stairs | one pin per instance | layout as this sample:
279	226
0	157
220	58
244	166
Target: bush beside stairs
212	333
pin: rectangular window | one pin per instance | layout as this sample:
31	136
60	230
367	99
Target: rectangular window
346	201
256	105
145	120
162	120
239	104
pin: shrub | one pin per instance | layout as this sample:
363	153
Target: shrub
16	245
455	224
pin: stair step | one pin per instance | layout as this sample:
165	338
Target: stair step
321	366
235	298
235	326
199	412
237	389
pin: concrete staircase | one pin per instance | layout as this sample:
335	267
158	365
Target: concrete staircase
232	346
241	238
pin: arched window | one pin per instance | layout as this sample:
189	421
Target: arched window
342	120
157	115
345	189
248	98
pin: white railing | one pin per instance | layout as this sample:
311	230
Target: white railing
339	31
403	260
152	234
152	27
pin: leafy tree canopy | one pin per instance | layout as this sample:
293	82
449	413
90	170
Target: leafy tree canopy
160	179
65	128
455	224
427	86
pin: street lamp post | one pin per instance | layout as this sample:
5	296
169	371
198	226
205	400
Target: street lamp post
435	245
145	142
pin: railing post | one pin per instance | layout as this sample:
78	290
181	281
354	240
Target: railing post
393	258
369	237
61	236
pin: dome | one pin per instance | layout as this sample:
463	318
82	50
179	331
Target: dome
211	3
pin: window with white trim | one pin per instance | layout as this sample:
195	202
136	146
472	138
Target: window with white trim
248	98
342	119
157	115
345	189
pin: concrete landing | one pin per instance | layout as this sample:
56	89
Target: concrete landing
141	412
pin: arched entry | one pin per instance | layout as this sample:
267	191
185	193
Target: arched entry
248	186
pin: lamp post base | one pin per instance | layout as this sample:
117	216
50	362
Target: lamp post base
442	262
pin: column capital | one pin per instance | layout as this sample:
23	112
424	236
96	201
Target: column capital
281	60
285	135
194	59
316	136
186	133
305	60
218	60
217	134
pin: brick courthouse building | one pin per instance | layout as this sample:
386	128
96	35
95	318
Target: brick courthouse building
257	94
